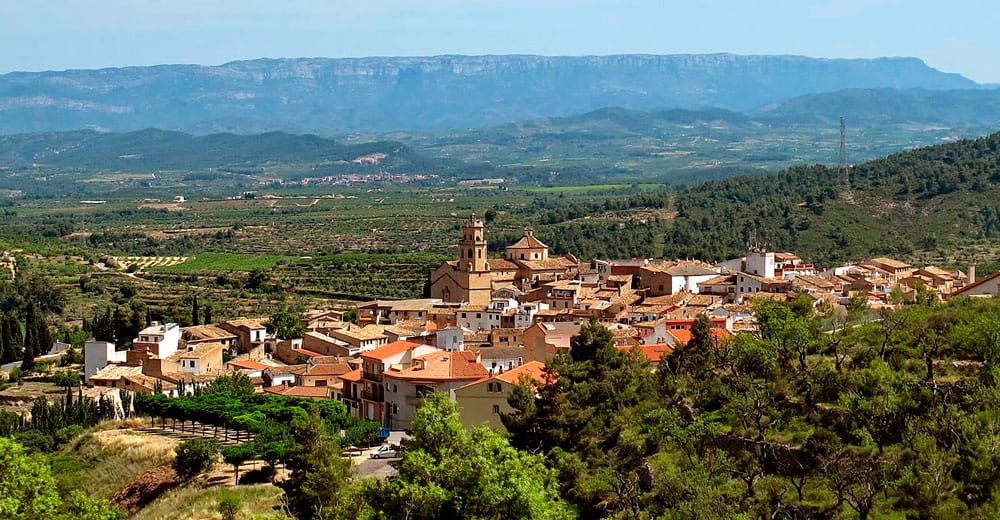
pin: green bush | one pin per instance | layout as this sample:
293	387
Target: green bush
195	456
229	508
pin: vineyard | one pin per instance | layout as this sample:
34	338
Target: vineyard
133	263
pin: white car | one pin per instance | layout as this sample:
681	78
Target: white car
385	451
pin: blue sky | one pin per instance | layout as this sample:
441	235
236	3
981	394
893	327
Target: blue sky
956	36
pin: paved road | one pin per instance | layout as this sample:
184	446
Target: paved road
378	468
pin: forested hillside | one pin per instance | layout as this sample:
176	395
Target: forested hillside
917	200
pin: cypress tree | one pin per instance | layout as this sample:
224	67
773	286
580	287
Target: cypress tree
207	314
4	340
37	339
119	325
194	311
13	339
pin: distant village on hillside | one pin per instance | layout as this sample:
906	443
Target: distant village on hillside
492	323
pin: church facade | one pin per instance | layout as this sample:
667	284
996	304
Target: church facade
473	277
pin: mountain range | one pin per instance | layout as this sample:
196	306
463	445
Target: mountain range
331	96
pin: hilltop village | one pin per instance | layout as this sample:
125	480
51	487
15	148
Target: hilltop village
491	323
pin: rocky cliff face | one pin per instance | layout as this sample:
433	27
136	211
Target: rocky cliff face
426	93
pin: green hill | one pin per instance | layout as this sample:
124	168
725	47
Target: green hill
939	197
918	110
152	149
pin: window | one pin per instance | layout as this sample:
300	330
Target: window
496	409
395	409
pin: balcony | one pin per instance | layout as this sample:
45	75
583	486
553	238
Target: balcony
375	395
371	376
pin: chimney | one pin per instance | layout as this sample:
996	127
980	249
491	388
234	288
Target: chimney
972	273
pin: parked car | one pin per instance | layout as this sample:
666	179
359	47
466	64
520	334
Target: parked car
385	451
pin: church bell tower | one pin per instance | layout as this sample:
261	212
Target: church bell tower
472	247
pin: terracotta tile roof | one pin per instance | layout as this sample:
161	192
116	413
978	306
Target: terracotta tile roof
392	349
548	264
442	366
977	283
285	369
726	279
654	353
250	323
499	264
311	392
689	269
488	353
528	241
248	365
413	305
200	332
354	375
669	299
890	262
532	369
816	281
116	372
684	336
559	328
365	333
937	271
327	369
196	351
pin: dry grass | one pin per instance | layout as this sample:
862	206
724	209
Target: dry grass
201	503
104	461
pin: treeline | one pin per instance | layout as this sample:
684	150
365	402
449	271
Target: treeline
50	424
817	416
24	332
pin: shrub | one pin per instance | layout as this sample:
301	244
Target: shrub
195	456
64	435
229	508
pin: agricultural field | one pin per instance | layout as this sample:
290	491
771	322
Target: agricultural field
133	263
252	256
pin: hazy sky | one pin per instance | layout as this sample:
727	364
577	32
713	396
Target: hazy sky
955	36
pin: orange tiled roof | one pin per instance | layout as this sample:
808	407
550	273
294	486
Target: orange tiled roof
532	369
314	392
392	349
354	375
684	336
443	366
528	241
327	369
249	365
654	353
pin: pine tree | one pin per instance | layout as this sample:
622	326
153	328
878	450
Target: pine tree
194	311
